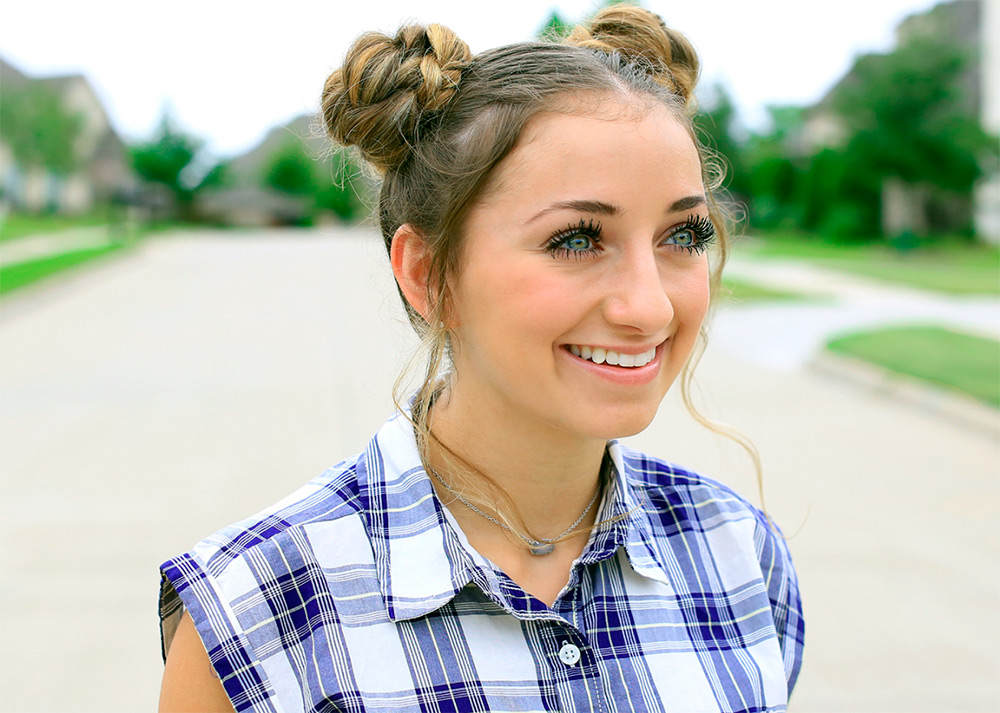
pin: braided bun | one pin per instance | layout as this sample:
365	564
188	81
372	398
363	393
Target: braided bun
642	36
387	85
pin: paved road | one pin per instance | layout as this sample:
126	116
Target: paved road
162	394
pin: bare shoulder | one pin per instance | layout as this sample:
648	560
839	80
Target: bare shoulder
189	684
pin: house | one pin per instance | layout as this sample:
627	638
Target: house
102	171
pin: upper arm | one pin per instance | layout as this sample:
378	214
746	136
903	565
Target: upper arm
189	683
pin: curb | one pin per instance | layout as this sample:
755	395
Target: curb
939	402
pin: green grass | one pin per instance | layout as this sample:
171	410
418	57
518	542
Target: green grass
19	274
958	361
740	291
945	265
22	225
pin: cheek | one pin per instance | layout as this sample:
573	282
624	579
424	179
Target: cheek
512	299
691	297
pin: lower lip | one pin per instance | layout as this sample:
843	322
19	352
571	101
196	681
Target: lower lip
625	375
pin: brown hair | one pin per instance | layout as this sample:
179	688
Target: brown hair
435	121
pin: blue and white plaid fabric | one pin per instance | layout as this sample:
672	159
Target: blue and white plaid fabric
360	593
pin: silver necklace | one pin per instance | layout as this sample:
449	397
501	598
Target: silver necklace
538	547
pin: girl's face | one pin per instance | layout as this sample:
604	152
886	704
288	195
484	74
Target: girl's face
584	281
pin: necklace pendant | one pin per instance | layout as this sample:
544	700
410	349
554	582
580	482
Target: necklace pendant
541	548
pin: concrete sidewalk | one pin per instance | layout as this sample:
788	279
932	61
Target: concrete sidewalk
788	335
187	385
37	246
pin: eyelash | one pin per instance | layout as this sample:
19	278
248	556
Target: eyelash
700	226
556	246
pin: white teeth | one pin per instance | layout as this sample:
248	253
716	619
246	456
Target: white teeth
606	356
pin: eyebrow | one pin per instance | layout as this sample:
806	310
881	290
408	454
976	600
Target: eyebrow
599	207
602	208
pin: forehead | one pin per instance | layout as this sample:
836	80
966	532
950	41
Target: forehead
617	152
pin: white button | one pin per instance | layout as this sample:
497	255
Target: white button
569	654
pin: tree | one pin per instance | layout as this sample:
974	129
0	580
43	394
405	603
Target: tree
909	119
165	160
555	28
337	189
773	179
716	124
326	185
290	170
40	130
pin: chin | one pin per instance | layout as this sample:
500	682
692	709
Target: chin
617	423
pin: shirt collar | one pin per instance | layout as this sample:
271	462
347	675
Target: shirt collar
420	559
628	509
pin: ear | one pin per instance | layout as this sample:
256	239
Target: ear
411	264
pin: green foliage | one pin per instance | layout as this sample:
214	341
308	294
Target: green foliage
905	117
328	185
290	170
908	117
773	179
555	28
717	126
169	159
337	191
39	129
163	159
217	176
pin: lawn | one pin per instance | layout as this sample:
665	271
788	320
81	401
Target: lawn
739	291
958	361
24	273
946	265
21	225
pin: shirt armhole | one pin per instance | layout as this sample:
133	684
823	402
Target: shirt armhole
187	586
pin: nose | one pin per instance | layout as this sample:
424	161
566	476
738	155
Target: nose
638	294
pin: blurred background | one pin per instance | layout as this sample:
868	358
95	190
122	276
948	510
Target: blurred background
197	316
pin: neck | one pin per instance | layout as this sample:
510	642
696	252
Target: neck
550	475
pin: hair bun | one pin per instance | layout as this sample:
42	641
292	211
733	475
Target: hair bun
386	85
642	36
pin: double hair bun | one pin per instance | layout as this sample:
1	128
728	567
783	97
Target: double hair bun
388	86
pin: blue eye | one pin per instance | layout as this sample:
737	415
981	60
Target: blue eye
576	241
685	238
694	235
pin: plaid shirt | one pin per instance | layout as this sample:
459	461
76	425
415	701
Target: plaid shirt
360	593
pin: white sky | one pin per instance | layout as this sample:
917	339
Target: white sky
231	70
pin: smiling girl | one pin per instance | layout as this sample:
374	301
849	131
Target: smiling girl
549	219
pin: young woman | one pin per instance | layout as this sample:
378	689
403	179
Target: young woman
549	220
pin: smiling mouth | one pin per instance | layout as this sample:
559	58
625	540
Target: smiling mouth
599	355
